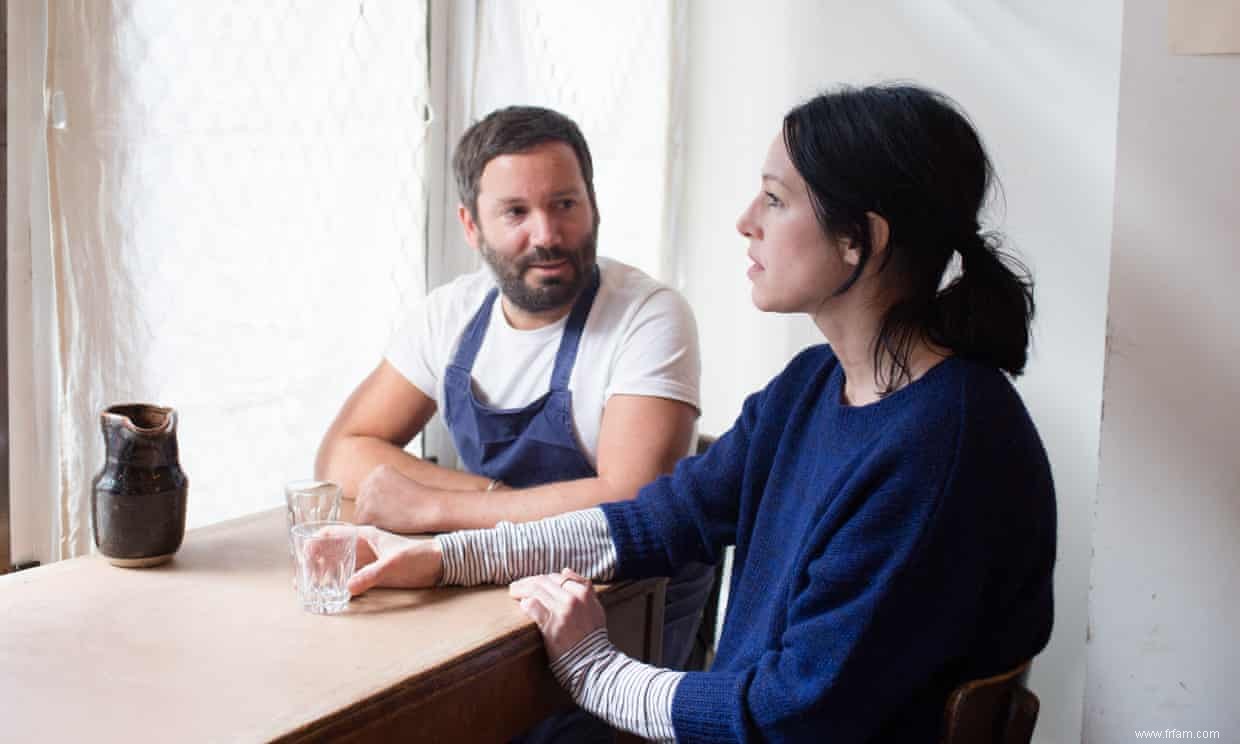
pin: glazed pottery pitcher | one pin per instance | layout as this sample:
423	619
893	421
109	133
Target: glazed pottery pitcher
138	499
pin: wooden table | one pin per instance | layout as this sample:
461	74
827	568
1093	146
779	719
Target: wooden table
214	646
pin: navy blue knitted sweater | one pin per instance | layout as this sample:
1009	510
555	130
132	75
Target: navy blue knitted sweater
884	553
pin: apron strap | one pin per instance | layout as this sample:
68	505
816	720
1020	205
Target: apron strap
471	340
566	355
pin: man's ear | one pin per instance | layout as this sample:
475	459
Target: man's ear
472	233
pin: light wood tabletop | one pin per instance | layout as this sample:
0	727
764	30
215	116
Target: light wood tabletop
215	646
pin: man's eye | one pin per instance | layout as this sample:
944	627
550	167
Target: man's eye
567	203
515	212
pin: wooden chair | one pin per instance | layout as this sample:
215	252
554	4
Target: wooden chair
995	710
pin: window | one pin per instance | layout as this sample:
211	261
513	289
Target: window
244	196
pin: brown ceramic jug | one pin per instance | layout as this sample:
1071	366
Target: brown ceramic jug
138	501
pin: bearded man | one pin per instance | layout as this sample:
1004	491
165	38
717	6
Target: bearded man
565	380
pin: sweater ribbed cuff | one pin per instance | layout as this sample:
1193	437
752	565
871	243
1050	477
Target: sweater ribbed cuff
638	548
705	708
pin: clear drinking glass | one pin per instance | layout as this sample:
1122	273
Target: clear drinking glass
326	553
311	501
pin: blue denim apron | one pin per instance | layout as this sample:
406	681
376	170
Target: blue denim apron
527	446
534	445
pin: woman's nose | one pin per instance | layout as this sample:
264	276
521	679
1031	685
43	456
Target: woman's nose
745	224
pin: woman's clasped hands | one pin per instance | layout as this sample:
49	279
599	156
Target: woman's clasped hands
563	605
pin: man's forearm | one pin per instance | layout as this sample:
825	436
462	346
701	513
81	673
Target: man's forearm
462	511
348	460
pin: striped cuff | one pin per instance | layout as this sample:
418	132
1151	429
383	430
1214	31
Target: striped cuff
624	692
579	540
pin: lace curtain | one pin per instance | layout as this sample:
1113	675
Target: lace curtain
238	203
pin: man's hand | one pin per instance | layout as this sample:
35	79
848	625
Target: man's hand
563	605
389	500
388	560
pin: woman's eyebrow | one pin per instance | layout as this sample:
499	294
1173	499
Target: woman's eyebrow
775	178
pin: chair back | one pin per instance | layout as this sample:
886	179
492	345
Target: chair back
995	710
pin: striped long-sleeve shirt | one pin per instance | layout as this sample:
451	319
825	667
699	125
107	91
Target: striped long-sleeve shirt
628	694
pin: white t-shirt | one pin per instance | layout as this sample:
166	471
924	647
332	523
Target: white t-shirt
639	339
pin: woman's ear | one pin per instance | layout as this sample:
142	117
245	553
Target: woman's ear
849	251
880	233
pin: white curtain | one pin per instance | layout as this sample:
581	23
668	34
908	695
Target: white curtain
238	204
617	69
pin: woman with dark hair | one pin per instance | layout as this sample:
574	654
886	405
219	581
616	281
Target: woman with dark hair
888	496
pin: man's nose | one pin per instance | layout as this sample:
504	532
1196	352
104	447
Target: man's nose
544	228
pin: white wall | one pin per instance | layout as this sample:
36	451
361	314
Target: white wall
1165	599
1040	81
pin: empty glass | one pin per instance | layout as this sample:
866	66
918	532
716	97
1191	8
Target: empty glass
326	553
311	501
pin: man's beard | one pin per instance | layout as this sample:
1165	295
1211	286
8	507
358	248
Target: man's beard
552	292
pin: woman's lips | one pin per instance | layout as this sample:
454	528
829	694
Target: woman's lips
755	269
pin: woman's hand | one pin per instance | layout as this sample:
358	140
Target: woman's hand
388	499
384	559
563	605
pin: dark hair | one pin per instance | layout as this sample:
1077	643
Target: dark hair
512	130
911	156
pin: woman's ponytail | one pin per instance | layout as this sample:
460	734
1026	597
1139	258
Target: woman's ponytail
985	313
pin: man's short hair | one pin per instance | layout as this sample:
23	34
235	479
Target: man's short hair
512	130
